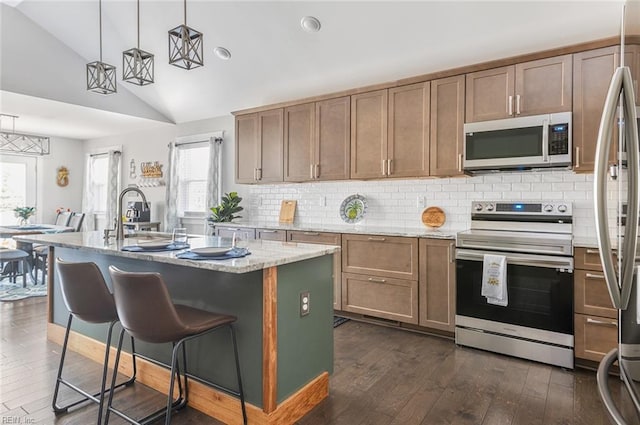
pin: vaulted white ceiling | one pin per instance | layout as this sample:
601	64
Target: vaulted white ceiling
360	43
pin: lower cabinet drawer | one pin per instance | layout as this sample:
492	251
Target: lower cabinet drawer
271	235
325	238
227	232
387	298
594	336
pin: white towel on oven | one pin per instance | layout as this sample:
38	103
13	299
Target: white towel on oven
494	279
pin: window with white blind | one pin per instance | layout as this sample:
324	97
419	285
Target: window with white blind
192	170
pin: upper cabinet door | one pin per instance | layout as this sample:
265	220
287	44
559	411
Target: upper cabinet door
409	117
333	137
369	134
447	120
246	148
490	94
299	142
592	71
632	60
270	146
543	86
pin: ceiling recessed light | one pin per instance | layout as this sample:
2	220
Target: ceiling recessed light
310	24
222	53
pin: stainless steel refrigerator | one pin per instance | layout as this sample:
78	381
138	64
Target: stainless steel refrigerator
617	204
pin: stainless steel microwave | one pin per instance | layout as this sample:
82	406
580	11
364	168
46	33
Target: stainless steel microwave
538	141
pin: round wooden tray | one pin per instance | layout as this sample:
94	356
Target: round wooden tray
433	217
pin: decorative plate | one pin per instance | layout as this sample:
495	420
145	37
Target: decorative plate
353	208
211	251
157	244
433	217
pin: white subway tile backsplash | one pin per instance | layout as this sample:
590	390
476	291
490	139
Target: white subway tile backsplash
395	202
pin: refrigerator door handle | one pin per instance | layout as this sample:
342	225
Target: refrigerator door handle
600	186
630	243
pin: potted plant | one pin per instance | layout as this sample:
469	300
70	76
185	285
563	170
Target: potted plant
23	213
226	211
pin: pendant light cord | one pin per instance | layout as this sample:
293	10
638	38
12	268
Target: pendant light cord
185	13
138	24
100	26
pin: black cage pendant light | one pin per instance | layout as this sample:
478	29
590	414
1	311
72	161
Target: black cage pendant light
137	65
185	45
101	77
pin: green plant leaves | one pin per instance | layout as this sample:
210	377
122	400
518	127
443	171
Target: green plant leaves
227	210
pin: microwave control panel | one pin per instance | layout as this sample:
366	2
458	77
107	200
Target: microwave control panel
559	139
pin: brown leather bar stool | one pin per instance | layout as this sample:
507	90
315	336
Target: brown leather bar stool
148	314
87	297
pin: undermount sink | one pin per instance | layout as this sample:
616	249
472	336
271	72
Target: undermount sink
148	236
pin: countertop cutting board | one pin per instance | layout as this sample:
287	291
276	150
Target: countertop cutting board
287	211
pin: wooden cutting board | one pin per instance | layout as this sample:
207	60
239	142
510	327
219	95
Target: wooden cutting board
287	211
433	217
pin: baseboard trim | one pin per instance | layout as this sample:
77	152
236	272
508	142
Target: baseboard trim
209	401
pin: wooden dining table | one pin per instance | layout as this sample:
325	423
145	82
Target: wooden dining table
31	229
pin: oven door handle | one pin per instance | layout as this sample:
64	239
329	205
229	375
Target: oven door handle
545	261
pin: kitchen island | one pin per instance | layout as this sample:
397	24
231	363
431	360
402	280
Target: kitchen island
285	357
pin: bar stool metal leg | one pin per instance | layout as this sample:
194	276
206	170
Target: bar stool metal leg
96	397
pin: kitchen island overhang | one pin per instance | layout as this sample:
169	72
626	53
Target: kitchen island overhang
285	357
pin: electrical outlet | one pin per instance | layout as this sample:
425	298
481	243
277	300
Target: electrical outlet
420	201
304	303
323	201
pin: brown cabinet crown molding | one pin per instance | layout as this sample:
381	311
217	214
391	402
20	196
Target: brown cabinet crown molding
512	60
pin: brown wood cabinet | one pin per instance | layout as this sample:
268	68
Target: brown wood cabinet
317	140
380	276
388	298
227	232
259	144
447	120
387	256
595	324
592	72
271	235
326	239
369	134
530	88
390	132
408	139
632	60
437	285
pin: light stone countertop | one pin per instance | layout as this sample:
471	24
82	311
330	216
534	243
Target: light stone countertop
264	254
417	232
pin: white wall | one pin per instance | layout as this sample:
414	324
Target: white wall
152	145
67	153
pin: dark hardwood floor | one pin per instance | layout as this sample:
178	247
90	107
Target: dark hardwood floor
382	376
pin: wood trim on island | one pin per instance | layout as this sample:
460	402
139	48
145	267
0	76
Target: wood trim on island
270	340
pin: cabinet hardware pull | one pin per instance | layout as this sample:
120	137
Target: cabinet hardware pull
255	174
452	252
268	231
233	229
510	105
517	104
595	276
373	279
601	322
259	173
388	167
317	171
311	171
459	162
593	251
577	156
377	239
311	234
384	167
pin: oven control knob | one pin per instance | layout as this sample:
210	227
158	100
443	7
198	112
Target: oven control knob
489	207
562	208
548	208
478	207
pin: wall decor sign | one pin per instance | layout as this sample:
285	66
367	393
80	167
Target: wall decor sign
62	177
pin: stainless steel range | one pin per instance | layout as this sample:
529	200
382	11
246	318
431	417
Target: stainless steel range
536	240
